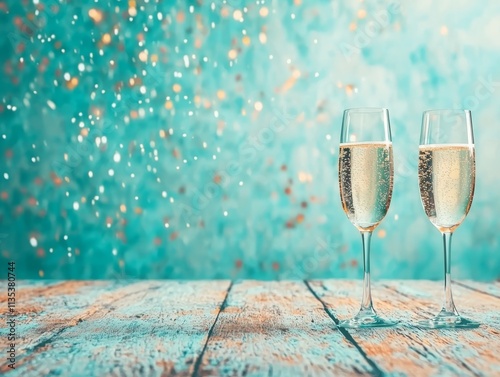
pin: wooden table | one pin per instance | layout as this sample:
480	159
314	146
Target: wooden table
245	328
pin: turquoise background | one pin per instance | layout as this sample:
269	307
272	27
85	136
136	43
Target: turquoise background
198	139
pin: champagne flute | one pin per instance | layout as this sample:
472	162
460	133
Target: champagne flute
446	174
366	172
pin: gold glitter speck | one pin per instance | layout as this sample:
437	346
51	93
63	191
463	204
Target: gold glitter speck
361	13
95	15
237	15
72	83
232	54
143	56
221	94
350	89
106	39
224	12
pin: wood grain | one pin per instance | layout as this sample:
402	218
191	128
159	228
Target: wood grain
412	351
278	328
43	310
153	328
492	289
250	328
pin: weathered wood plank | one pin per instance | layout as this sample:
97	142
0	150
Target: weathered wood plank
160	329
278	328
152	328
479	306
27	289
21	284
43	310
492	289
411	351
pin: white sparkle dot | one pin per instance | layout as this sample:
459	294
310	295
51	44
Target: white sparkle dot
6	175
51	104
111	172
81	67
225	213
114	252
116	157
33	242
67	76
76	206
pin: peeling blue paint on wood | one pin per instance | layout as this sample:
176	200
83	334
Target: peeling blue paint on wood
248	328
407	350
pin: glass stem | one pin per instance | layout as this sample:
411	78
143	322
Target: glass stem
366	303
448	304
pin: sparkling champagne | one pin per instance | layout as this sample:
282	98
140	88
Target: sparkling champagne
446	175
366	177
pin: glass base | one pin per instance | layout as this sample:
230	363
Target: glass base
448	320
366	319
